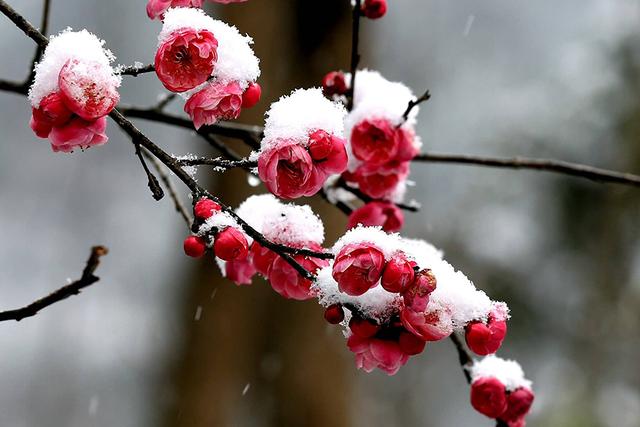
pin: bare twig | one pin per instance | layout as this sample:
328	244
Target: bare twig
355	55
135	70
219	163
551	165
44	29
14	87
366	198
152	181
465	358
87	279
173	193
413	104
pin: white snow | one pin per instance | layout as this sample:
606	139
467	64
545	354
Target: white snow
80	45
236	59
508	372
297	115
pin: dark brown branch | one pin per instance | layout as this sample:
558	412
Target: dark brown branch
14	87
166	100
44	29
219	163
152	181
24	25
87	279
134	70
465	358
559	166
366	198
355	55
413	104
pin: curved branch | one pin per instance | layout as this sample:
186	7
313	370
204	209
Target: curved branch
551	165
135	70
87	279
355	55
219	163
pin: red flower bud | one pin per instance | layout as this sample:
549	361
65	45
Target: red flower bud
334	314
488	396
194	246
251	96
320	145
205	208
363	328
374	9
397	275
334	83
518	404
485	339
416	297
411	344
230	244
383	214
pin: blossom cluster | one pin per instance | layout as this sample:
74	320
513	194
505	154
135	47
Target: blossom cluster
303	144
74	89
500	391
210	63
157	8
405	294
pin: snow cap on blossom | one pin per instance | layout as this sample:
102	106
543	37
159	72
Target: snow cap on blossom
303	144
455	296
233	58
508	372
74	88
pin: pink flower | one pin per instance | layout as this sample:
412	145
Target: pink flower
51	112
383	214
186	59
488	396
358	267
374	353
487	338
288	172
228	1
89	89
286	281
375	142
78	133
411	344
429	326
380	182
328	152
398	274
214	102
416	296
157	8
407	145
240	272
519	403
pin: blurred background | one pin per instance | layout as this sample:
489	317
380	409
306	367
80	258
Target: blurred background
162	340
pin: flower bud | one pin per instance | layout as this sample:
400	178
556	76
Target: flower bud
519	403
334	314
484	339
488	396
416	297
363	328
374	9
251	95
194	246
205	208
381	214
230	244
320	145
334	83
411	344
398	274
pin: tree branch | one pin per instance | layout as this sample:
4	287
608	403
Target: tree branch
413	104
559	166
87	279
219	163
44	29
465	358
135	70
355	55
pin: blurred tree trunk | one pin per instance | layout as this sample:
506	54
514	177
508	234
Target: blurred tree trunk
254	358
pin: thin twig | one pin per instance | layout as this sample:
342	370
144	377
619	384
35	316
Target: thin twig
152	181
366	198
44	29
219	163
135	70
173	193
355	55
87	279
14	87
551	165
166	100
465	358
413	104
